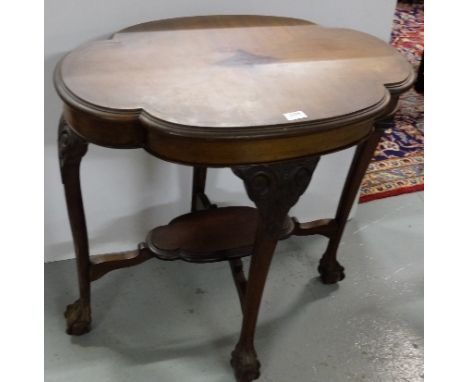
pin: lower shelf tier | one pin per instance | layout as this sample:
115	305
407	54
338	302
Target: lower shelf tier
208	236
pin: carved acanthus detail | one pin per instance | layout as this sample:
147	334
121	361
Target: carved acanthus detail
71	147
276	187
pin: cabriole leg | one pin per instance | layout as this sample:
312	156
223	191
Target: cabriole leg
71	149
329	268
274	189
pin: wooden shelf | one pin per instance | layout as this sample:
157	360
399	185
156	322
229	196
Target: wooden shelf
208	236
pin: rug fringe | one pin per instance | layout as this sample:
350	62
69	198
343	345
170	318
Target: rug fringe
386	194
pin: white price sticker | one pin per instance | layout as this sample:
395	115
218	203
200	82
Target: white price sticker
295	115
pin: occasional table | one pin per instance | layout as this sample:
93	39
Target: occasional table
265	96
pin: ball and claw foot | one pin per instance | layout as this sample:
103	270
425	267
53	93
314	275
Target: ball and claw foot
78	317
331	273
246	366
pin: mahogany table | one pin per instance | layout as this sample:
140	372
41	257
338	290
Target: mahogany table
265	96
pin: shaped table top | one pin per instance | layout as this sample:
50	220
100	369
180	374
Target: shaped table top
234	75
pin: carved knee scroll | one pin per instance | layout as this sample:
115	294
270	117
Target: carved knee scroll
71	147
276	187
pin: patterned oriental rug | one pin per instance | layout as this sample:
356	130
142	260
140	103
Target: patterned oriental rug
398	163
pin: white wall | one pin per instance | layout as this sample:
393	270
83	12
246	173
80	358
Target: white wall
128	192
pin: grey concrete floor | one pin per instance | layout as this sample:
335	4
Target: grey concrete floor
173	321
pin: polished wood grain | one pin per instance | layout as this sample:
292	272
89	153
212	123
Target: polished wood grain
206	236
215	234
174	86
